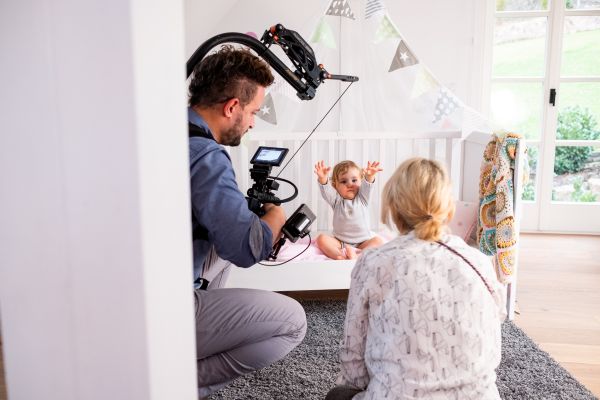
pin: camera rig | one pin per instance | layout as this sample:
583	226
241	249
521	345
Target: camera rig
308	74
305	79
261	191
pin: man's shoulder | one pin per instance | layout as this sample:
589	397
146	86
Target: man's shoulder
200	147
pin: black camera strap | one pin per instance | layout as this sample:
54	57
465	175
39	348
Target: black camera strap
200	232
197	131
202	284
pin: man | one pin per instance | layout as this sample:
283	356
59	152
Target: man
237	330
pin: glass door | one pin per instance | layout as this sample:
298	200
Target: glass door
571	175
545	85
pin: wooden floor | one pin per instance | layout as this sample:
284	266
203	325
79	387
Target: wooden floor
558	300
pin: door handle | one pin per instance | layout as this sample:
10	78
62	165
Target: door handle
553	97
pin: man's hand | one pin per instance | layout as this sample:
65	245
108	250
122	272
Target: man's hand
371	170
275	218
322	172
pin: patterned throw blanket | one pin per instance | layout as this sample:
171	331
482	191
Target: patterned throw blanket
496	233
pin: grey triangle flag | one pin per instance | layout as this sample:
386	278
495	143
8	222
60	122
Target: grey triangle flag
372	7
267	110
403	58
446	104
340	8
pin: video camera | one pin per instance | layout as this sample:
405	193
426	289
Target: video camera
262	161
262	189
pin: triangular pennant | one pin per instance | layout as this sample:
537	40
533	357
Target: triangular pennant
267	110
424	82
282	87
340	8
386	30
403	58
372	7
323	34
447	124
474	121
446	104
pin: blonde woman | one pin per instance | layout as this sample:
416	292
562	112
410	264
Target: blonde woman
425	309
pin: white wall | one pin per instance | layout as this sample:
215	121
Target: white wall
95	260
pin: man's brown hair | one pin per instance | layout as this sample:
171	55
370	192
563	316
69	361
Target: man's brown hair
229	73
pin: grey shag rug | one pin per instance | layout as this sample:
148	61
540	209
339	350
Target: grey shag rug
309	371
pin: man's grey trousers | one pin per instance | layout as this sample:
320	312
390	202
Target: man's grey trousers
241	330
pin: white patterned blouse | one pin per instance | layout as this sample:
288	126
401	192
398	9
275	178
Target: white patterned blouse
421	323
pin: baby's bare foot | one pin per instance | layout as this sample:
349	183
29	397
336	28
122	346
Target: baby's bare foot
350	253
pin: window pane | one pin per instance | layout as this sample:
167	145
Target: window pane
579	110
530	188
519	47
520	5
517	107
577	174
581	46
582	4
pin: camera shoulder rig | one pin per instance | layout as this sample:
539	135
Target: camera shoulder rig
306	77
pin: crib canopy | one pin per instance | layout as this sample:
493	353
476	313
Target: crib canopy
396	91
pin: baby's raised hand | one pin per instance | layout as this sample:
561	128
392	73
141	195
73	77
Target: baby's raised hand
322	172
372	170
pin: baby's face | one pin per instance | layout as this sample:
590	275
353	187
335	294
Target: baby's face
348	183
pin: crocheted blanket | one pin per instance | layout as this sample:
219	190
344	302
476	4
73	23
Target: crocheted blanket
496	233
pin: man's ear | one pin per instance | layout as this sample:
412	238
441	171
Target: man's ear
230	105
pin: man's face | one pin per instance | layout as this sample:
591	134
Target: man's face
243	119
348	183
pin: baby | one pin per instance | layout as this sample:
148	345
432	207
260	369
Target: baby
349	196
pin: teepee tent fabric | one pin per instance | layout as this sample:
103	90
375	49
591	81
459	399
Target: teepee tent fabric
395	93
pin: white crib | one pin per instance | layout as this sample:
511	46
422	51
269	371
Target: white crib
461	157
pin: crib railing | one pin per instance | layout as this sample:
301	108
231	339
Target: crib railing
389	148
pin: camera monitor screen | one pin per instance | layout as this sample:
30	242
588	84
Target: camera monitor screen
269	156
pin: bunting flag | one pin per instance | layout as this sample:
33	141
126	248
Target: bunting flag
448	124
386	30
340	8
403	58
267	110
424	82
282	87
474	121
372	7
323	34
446	104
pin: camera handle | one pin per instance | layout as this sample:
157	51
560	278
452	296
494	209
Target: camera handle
256	197
273	255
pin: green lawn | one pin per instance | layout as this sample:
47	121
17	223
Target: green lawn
581	56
